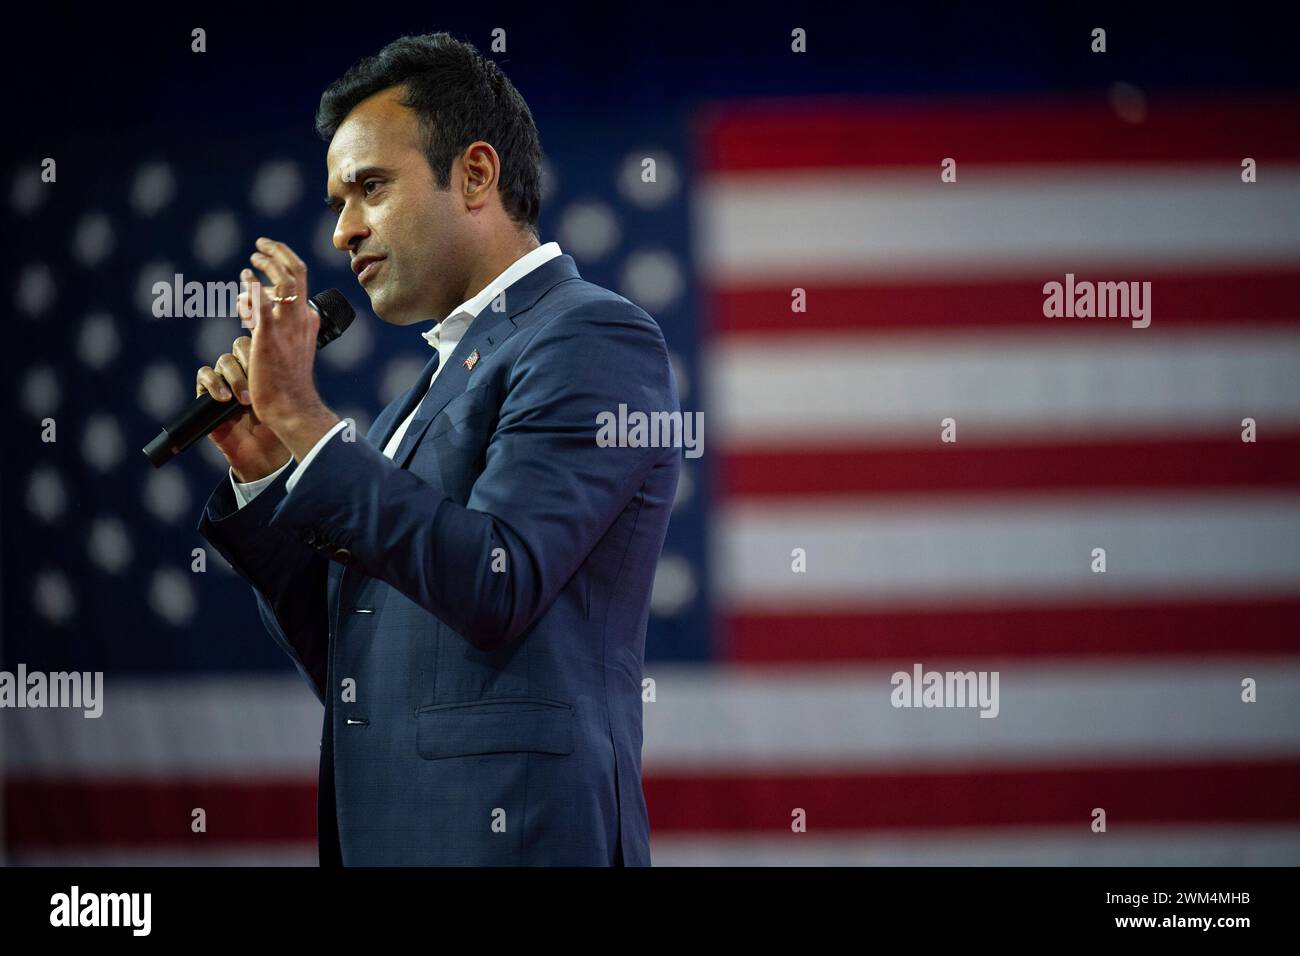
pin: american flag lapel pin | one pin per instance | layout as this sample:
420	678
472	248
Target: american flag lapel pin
472	360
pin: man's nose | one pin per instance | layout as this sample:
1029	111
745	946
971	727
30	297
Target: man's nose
349	230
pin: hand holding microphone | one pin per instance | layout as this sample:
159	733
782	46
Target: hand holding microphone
251	447
272	370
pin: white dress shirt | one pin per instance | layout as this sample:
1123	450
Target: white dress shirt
444	337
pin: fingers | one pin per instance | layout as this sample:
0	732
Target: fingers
242	350
282	267
277	276
233	373
250	310
212	383
285	257
230	377
286	275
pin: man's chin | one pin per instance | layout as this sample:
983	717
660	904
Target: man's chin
380	304
387	311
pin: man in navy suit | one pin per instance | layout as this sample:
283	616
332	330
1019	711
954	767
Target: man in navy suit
467	587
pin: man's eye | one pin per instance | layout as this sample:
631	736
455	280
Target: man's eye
368	183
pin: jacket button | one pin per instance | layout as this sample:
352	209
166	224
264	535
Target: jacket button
342	555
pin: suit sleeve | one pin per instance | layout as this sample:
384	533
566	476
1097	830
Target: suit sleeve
547	494
288	577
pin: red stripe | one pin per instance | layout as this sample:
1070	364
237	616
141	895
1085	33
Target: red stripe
1182	299
830	134
1237	792
46	815
1261	625
1130	464
49	814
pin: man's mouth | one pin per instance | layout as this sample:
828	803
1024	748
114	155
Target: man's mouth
366	266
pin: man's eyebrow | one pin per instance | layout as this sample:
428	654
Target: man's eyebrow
360	176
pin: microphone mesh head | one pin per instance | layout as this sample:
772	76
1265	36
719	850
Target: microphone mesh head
336	314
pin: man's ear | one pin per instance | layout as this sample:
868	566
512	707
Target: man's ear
482	171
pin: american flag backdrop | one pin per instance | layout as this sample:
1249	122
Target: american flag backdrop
833	307
856	304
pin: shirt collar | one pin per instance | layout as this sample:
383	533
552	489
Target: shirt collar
461	317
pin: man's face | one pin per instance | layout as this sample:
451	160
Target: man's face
392	212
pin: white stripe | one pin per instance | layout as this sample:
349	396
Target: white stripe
269	727
842	719
825	225
1014	549
1017	386
1038	846
704	719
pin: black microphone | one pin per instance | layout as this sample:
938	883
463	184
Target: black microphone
206	413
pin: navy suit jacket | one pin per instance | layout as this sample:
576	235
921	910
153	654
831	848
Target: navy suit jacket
473	612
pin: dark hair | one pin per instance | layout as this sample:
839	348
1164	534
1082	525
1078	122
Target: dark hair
460	97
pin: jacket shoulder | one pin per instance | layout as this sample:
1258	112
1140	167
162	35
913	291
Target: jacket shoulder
578	302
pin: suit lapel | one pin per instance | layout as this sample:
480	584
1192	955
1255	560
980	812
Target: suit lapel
396	412
488	330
